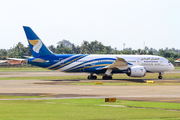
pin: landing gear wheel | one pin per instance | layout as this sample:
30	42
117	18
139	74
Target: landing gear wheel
92	77
160	77
110	77
107	77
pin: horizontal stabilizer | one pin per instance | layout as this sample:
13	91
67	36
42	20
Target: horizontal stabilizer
25	60
38	60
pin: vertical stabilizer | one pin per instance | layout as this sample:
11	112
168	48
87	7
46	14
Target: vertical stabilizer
37	47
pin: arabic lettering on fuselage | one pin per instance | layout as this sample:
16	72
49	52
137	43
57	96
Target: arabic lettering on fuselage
149	59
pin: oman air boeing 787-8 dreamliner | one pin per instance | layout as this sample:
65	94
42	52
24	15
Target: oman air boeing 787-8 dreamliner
104	65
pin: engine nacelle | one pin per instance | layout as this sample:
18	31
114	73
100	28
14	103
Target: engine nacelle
136	71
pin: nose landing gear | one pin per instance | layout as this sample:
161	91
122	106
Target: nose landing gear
160	75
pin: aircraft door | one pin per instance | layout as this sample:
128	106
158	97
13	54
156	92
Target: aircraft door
163	65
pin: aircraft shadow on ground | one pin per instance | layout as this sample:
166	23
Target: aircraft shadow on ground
132	80
61	80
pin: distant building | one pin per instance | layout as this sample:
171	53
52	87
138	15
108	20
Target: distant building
11	63
4	63
177	61
15	62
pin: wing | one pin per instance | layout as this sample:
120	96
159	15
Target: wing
120	63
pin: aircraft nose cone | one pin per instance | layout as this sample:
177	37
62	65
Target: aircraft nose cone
171	67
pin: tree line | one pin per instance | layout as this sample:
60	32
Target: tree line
93	47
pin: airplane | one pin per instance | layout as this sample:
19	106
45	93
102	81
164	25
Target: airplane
94	64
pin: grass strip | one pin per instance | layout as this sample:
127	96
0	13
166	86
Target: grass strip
118	77
45	78
21	69
177	68
80	109
149	104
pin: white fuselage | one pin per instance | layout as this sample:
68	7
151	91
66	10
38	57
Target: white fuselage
150	62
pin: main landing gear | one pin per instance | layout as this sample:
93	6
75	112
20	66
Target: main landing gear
160	75
94	77
106	77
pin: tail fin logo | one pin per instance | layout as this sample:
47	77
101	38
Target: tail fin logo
37	44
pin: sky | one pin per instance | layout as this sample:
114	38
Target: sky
112	22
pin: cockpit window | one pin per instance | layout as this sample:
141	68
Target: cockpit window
169	62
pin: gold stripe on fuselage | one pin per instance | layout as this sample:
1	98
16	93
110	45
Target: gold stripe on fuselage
92	66
68	62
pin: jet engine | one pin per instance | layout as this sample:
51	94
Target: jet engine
136	71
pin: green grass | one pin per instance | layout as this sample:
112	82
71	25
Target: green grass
151	104
46	78
177	68
83	109
21	69
120	76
